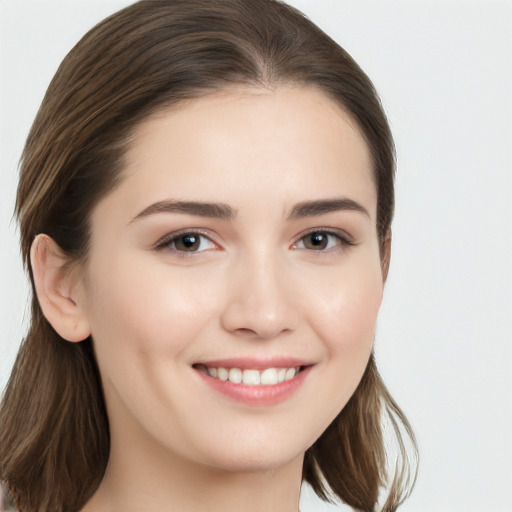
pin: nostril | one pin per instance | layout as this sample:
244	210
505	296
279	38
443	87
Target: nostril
244	331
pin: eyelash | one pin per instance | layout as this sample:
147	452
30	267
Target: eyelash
167	242
342	239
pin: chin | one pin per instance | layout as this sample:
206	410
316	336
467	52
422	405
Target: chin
256	463
256	455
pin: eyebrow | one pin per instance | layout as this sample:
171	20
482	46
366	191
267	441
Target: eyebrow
323	206
201	209
225	212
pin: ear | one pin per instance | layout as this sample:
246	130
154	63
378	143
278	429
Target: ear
385	254
56	290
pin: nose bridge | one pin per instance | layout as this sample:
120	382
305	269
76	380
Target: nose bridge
260	299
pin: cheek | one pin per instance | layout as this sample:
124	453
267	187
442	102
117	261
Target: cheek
344	317
145	321
137	310
344	310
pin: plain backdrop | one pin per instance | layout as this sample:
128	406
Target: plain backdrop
444	72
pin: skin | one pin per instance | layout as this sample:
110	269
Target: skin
256	287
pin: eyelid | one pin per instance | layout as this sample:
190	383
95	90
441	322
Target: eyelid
345	239
163	242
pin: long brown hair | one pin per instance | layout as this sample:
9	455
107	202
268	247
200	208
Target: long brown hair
54	433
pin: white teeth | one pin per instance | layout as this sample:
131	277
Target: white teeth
269	377
222	374
290	373
235	375
249	377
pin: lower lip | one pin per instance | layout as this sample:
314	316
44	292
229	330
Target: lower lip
262	396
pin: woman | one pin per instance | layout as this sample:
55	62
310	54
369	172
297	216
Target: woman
205	205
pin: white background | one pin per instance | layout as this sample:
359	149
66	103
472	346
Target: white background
444	71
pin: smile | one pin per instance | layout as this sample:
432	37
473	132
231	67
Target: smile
255	383
251	377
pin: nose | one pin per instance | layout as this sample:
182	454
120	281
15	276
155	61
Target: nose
260	299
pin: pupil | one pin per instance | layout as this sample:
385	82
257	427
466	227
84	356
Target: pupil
318	240
189	241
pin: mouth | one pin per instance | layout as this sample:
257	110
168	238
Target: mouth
250	376
254	382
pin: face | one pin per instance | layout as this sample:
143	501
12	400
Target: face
234	278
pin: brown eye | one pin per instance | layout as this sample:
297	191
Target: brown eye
322	241
317	241
187	243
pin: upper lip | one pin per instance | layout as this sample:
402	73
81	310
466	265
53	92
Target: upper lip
246	363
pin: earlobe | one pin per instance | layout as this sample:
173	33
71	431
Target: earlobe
385	254
55	288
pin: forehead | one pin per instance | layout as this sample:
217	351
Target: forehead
289	144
